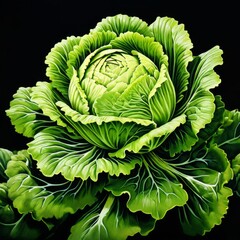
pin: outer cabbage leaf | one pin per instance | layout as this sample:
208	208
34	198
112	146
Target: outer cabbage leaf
31	192
205	174
152	188
58	151
46	97
25	114
5	156
177	46
106	132
198	103
109	220
14	225
207	133
236	170
228	138
121	23
228	135
57	61
7	213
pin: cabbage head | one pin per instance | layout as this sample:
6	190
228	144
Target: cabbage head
125	128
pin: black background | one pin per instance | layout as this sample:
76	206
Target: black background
29	29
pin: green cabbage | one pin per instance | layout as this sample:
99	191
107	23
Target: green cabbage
126	129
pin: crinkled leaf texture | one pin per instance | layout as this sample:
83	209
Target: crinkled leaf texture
5	156
44	197
58	151
236	170
14	225
228	135
228	138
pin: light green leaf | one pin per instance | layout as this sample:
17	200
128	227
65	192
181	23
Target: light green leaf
107	132
45	96
153	188
133	42
177	46
132	103
25	114
206	134
235	163
88	46
198	103
206	77
43	197
205	175
162	98
57	151
5	157
7	212
20	157
57	61
200	110
202	75
109	219
228	135
121	23
150	140
47	198
129	96
110	70
77	96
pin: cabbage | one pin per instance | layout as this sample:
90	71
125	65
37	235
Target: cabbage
126	129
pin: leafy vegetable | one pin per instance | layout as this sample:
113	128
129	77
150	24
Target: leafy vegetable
126	129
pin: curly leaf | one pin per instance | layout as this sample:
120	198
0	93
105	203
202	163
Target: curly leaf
205	175
7	212
210	129
25	114
110	220
106	132
122	23
89	45
150	140
77	96
152	188
45	96
236	170
228	135
134	42
5	157
14	225
177	46
31	192
57	151
57	61
198	103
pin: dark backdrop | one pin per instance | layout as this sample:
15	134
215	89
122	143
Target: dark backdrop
29	29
